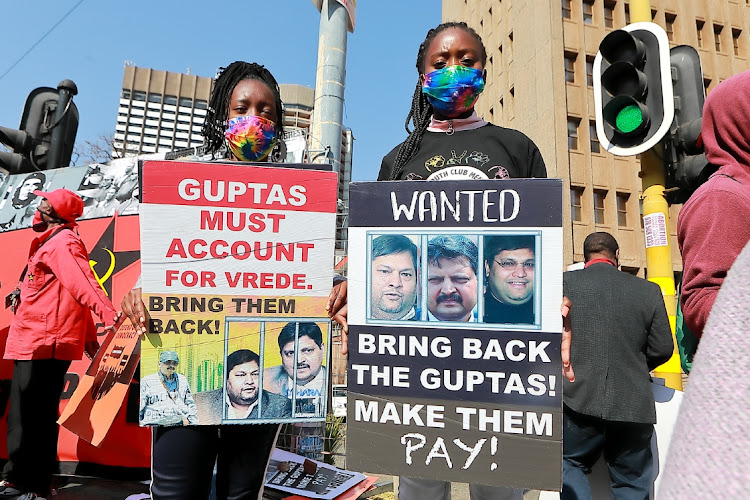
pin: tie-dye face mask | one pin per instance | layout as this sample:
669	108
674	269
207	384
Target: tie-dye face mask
453	90
250	138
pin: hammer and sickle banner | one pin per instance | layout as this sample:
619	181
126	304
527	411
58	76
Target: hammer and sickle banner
454	331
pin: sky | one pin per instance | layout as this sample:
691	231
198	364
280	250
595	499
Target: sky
90	47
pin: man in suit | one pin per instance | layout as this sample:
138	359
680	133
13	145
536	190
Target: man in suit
309	393
509	263
621	333
394	278
452	262
243	369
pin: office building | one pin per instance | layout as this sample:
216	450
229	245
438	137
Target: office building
540	59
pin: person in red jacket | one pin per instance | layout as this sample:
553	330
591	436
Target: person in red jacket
51	327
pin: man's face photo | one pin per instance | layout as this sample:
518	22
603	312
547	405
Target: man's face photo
309	359
168	368
451	289
28	187
510	276
242	383
394	285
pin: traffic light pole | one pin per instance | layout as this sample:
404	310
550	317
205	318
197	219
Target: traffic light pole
656	212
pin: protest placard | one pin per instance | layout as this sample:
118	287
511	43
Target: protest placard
97	400
454	331
237	265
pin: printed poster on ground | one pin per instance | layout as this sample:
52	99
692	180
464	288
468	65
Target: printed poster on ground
454	331
237	265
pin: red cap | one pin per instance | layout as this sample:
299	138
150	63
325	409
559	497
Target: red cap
67	204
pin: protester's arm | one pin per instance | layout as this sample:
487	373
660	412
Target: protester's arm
538	168
712	231
337	308
566	340
69	262
134	309
385	171
659	346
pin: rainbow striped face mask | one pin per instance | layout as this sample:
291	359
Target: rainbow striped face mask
453	90
250	138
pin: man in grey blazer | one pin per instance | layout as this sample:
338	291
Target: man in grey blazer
242	401
621	333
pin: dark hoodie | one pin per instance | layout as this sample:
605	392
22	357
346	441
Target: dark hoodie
714	225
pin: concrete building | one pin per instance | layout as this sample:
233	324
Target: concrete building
540	64
160	111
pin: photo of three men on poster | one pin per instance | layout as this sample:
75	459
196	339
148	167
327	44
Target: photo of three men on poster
290	383
421	277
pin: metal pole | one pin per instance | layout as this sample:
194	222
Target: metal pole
656	210
329	84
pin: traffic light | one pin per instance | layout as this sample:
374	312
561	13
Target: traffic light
47	133
687	166
633	89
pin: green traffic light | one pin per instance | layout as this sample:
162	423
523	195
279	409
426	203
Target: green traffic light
629	118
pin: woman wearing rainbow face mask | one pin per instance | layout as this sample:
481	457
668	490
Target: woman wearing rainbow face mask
245	115
449	140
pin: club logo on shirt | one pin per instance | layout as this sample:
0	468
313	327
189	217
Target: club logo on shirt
460	166
462	172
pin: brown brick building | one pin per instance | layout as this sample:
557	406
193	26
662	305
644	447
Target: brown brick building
540	61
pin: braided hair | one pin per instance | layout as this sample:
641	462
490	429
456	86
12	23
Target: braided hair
218	108
421	111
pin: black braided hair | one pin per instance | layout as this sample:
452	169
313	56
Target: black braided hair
421	110
218	109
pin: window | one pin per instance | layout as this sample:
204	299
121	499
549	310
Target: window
622	209
576	211
593	138
706	84
588	11
170	99
717	36
154	98
510	45
500	56
139	96
201	104
599	197
566	8
609	14
186	101
511	103
627	14
125	94
669	24
699	31
736	40
570	67
573	133
590	71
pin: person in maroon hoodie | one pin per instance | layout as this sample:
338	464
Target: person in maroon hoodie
51	326
714	225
